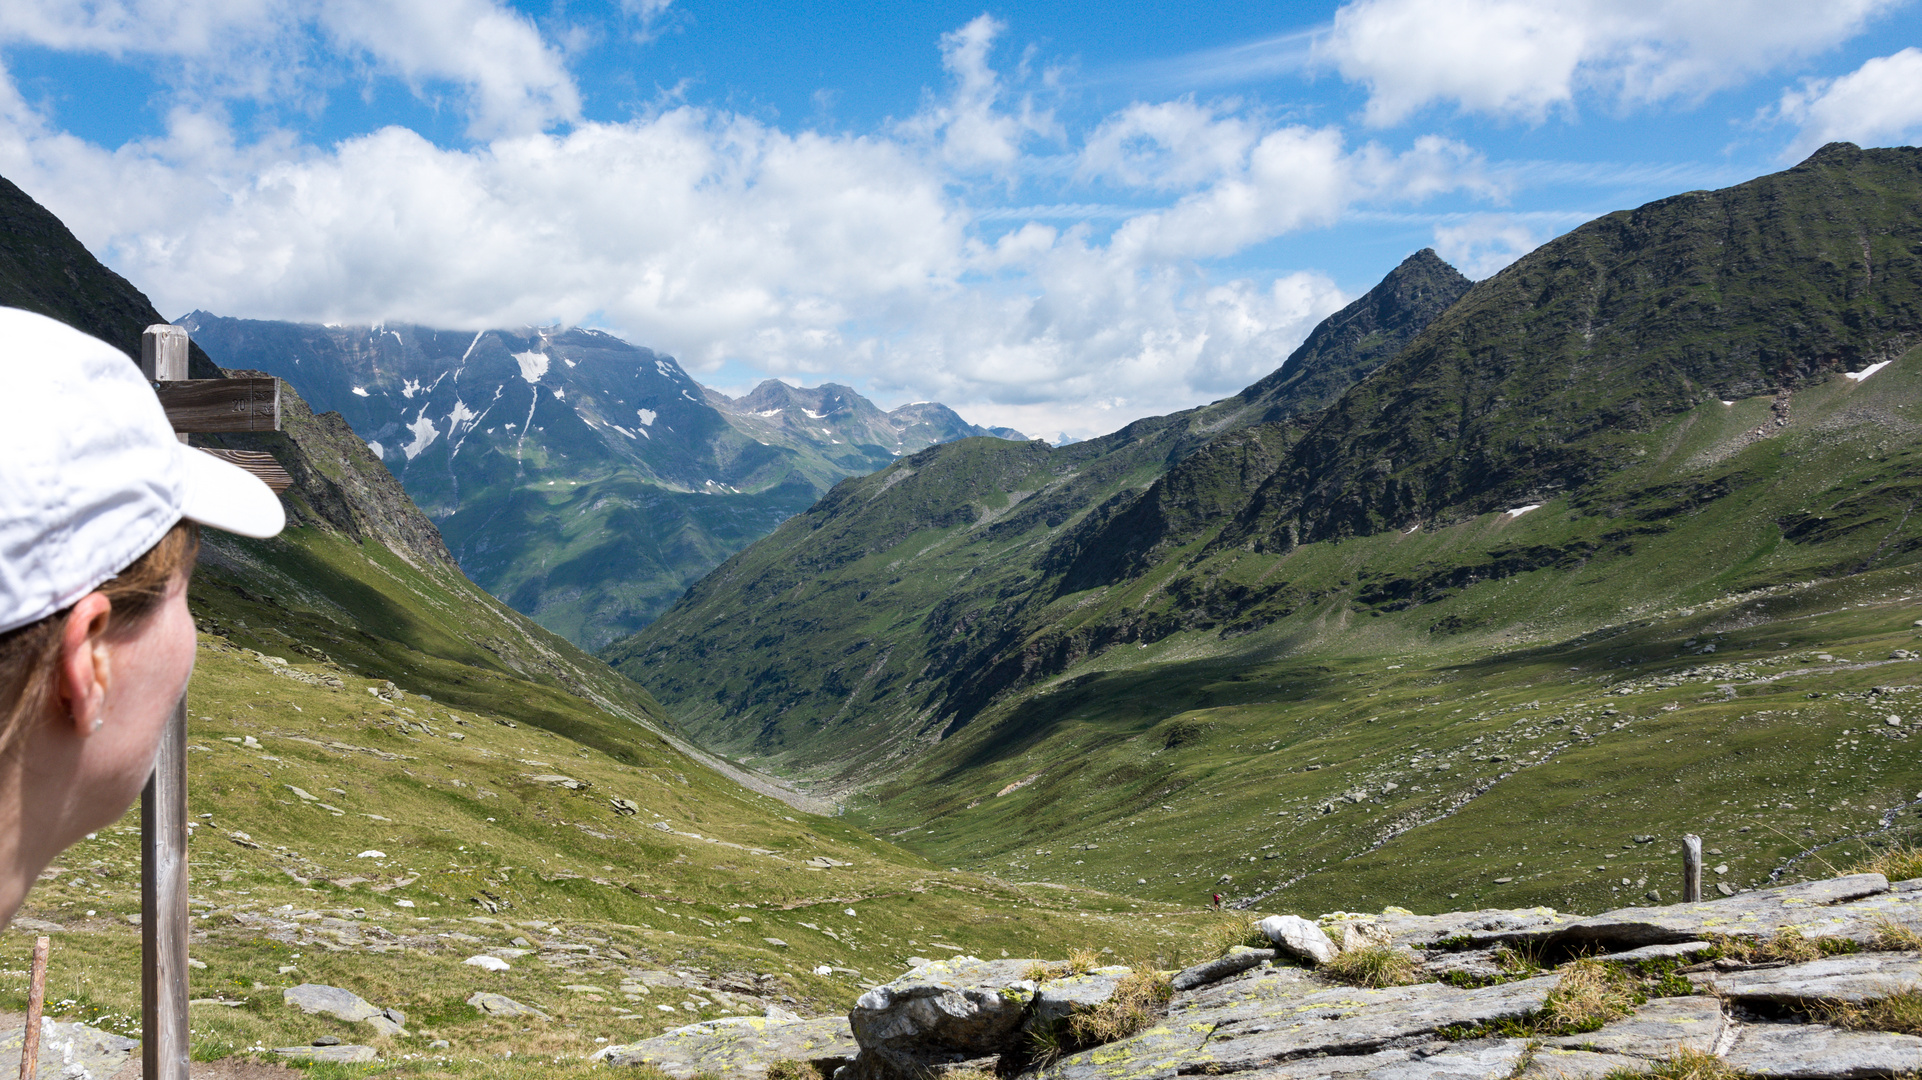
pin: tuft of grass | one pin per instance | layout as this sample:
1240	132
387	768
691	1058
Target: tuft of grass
1139	1000
1081	961
1042	971
790	1069
1591	993
1899	863
1232	930
1519	963
1373	966
1788	944
969	1073
1684	1065
1900	1012
1892	936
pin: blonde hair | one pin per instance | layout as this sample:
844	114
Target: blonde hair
30	654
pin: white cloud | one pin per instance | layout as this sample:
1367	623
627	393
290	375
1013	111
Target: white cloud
1483	244
970	128
1524	59
511	79
734	244
1877	104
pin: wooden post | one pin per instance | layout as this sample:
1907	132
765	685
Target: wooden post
163	832
1691	869
36	1005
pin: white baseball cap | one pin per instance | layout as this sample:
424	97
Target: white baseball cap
91	475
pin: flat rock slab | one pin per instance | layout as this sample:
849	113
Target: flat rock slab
1554	1063
68	1051
1267	1029
346	1052
312	998
1861	977
1486	1060
1820	1052
1421	931
1817	908
1656	1030
741	1047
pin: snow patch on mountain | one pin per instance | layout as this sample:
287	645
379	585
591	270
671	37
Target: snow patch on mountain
533	365
358	392
647	416
409	388
424	435
379	450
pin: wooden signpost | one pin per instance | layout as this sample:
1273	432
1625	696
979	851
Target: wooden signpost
202	406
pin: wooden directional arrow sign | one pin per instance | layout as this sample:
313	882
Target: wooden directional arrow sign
212	406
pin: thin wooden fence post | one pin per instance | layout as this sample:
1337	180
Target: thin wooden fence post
36	1006
1691	869
163	832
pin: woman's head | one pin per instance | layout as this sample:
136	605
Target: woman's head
30	656
98	505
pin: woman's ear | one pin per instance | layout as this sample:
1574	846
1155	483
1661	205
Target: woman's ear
85	664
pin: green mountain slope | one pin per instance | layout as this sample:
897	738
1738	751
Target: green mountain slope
391	772
584	480
833	643
1619	545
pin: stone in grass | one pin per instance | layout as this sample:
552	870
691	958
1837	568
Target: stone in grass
1554	1063
346	1052
490	963
1811	1051
69	1051
332	1001
502	1005
741	1047
1298	937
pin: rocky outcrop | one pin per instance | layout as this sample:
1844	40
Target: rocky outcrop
1479	1007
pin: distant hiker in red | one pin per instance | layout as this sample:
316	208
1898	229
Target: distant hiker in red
1217	901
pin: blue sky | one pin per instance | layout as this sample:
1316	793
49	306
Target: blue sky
1058	217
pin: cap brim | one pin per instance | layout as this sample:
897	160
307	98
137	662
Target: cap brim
224	496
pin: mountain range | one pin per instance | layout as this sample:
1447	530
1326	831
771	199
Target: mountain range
585	481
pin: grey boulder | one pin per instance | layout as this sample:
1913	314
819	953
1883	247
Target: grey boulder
1298	938
1058	999
1238	959
938	1014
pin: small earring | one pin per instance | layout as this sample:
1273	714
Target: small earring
97	722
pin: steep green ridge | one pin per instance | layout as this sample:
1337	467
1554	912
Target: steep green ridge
586	481
835	639
1531	386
